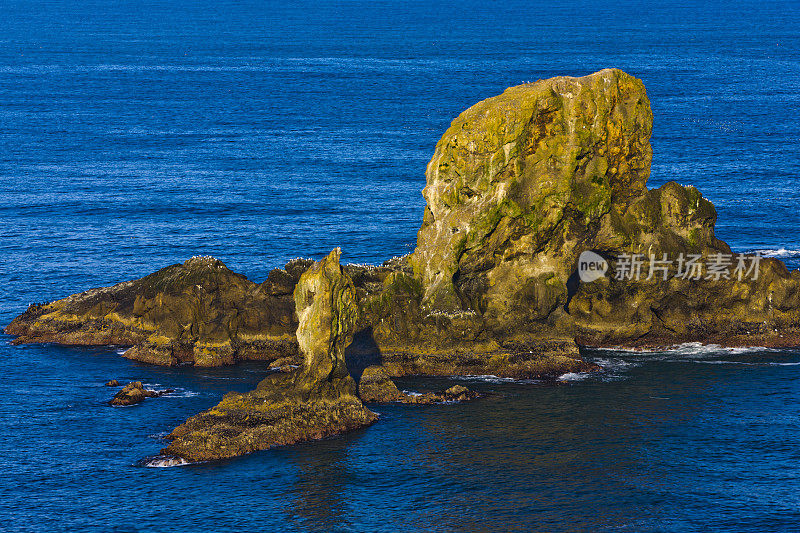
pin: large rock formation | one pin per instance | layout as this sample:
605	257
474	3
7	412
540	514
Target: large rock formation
518	187
518	182
521	184
316	401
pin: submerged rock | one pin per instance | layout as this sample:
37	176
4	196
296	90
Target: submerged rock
376	387
316	401
134	392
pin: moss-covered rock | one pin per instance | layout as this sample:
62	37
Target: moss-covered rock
376	386
316	401
521	184
133	393
198	312
518	187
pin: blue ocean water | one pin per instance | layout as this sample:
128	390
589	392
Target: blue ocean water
134	135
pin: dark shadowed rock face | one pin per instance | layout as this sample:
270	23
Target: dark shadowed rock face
316	401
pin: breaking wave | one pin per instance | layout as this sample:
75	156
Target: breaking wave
779	252
574	376
491	378
163	461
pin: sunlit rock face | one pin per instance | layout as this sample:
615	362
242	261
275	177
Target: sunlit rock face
317	400
522	183
518	188
522	180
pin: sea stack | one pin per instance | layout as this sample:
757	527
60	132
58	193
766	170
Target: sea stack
316	401
519	187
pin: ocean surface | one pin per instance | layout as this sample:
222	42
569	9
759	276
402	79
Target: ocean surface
134	135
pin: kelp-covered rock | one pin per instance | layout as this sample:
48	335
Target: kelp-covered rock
316	401
198	312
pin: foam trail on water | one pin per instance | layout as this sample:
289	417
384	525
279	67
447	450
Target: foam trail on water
693	349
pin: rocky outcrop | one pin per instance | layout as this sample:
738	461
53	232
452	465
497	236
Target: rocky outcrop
518	188
519	180
133	393
521	184
315	401
376	387
198	312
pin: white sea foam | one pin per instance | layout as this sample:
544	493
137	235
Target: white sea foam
180	393
779	252
612	365
491	378
747	363
164	461
574	376
692	349
695	352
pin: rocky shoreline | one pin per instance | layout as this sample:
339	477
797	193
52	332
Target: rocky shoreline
519	187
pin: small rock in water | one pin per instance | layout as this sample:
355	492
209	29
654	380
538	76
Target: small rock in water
377	387
456	390
112	383
134	392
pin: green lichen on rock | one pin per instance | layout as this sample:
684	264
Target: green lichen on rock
522	183
316	401
518	180
518	186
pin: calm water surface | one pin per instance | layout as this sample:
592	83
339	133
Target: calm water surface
134	135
